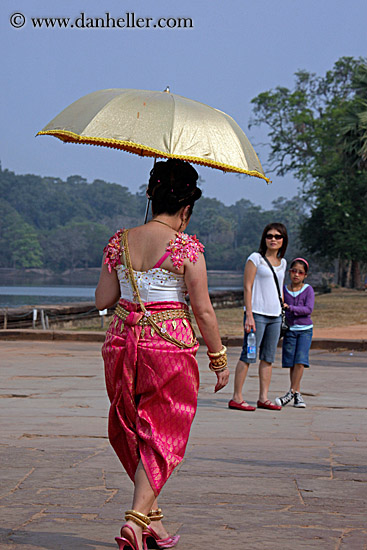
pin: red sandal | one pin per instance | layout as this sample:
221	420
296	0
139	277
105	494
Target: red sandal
268	405
240	406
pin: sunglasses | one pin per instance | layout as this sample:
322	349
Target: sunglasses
297	271
277	237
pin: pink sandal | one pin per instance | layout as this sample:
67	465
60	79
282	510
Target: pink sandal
151	538
132	543
124	543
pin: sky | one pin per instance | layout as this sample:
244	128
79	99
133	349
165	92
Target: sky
234	51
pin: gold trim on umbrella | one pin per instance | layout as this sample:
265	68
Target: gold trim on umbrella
145	151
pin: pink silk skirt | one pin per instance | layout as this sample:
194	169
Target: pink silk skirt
152	386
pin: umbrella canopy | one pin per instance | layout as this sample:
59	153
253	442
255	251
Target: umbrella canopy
157	124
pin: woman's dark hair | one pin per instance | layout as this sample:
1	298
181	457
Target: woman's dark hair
172	185
282	230
300	261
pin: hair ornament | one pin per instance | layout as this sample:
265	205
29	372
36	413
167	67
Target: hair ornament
302	260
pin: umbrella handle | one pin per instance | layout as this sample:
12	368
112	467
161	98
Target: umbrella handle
147	210
149	199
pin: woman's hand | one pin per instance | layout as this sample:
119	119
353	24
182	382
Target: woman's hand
222	379
286	306
250	323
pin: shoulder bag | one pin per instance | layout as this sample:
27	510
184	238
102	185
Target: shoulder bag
284	327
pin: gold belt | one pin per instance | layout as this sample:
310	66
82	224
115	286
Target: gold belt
159	317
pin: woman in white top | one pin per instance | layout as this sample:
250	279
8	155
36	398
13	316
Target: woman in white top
149	353
262	314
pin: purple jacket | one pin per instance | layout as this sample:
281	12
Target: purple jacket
300	307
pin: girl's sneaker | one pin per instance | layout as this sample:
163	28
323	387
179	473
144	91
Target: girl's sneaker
298	401
287	398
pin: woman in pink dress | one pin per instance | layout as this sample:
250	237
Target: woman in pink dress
149	352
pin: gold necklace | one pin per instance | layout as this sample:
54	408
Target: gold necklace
163	223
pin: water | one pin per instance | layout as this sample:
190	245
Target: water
18	296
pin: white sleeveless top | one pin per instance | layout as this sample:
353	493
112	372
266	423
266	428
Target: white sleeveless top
265	299
155	285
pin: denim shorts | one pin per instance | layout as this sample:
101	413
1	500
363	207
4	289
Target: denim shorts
267	338
296	345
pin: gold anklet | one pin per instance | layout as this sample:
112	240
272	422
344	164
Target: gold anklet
155	515
137	517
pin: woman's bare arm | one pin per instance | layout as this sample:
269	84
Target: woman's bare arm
197	286
108	289
248	281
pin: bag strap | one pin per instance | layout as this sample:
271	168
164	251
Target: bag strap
147	314
276	282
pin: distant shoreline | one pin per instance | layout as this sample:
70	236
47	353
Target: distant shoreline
88	277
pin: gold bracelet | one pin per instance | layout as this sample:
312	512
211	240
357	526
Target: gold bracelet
221	369
218	359
219	362
214	355
218	366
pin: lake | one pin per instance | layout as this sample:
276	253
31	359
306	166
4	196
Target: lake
17	296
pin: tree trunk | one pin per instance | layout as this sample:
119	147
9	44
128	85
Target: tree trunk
340	272
344	273
356	274
348	275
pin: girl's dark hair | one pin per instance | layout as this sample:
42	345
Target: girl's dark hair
282	230
172	185
299	261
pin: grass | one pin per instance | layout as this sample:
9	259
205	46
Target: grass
342	307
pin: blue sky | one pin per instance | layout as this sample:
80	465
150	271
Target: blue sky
234	51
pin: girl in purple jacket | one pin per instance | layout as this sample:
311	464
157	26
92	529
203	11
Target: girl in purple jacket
299	299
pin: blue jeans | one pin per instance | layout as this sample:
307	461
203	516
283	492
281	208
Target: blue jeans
267	338
296	345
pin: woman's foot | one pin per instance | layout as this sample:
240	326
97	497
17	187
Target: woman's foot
132	531
155	535
243	406
268	405
159	528
130	537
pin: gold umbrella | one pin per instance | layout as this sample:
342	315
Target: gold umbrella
157	124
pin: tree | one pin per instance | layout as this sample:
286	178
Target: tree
355	129
75	245
19	244
307	132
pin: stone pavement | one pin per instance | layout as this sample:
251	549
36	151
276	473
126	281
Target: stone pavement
294	479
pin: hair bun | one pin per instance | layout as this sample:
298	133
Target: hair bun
172	184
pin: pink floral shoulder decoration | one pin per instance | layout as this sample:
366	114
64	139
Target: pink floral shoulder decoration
184	247
113	251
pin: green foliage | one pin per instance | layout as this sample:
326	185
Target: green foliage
354	131
19	245
304	125
46	222
318	131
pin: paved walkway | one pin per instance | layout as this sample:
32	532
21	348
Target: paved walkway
294	479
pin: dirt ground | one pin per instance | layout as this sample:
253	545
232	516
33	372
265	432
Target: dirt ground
340	314
351	332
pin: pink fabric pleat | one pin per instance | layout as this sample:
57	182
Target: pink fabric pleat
152	386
